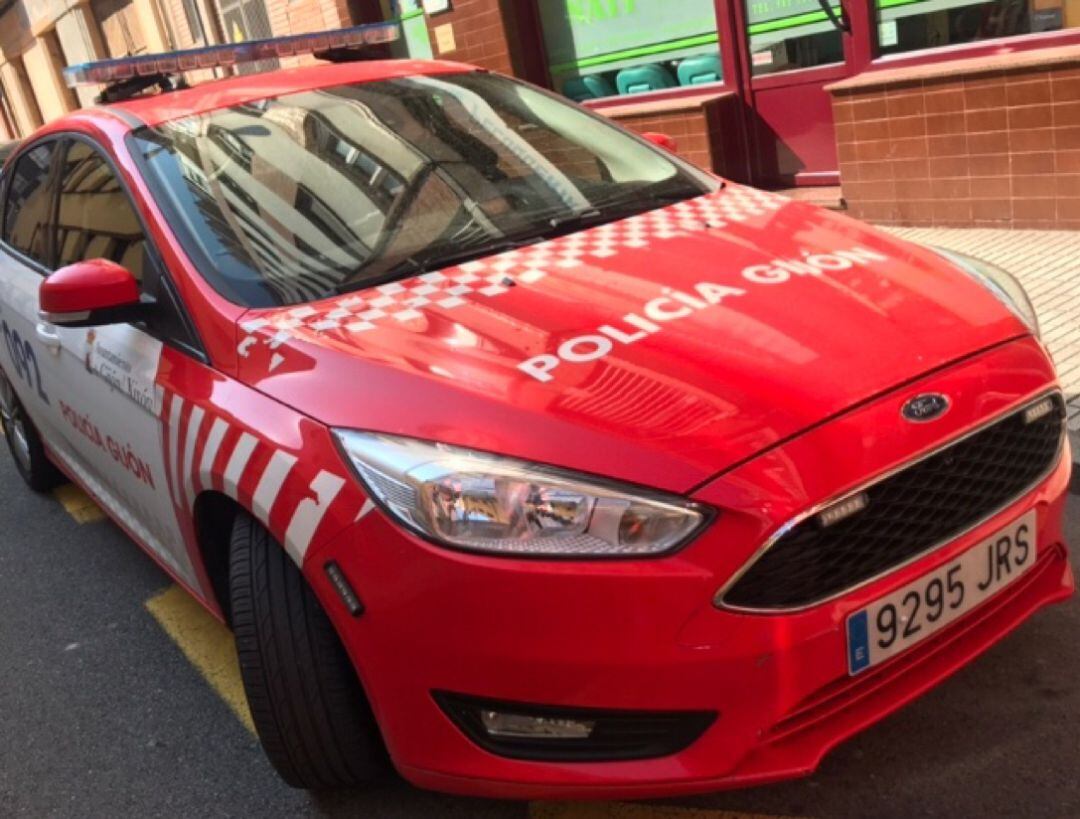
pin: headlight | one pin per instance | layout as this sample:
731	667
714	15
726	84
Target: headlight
484	503
999	282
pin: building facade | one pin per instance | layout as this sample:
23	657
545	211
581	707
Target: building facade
38	38
926	112
943	112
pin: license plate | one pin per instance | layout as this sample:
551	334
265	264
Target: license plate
911	614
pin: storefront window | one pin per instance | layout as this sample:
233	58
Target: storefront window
602	48
789	34
910	25
414	40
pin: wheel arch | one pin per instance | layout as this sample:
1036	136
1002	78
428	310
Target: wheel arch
213	516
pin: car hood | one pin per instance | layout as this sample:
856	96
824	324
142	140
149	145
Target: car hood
660	349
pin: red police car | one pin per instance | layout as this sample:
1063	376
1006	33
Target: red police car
518	453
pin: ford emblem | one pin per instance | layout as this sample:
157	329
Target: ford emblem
925	407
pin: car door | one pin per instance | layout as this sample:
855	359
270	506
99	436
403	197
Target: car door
25	241
111	401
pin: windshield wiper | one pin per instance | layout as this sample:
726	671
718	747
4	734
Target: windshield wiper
411	266
643	201
600	213
552	227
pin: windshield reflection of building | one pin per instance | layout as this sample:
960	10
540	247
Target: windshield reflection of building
310	188
285	190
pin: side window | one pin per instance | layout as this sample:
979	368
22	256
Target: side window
95	219
26	213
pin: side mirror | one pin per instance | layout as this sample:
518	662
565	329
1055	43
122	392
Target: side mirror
90	293
663	140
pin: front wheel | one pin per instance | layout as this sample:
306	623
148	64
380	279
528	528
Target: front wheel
310	712
25	443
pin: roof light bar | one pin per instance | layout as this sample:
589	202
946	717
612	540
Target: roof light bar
174	62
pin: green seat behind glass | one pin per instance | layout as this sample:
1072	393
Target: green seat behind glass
644	78
591	87
700	70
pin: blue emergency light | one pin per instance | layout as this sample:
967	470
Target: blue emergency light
175	62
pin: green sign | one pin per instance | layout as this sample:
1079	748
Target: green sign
605	34
765	11
415	42
584	36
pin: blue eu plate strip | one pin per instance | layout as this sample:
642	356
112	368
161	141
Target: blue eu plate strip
858	640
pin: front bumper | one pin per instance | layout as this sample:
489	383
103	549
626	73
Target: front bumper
645	635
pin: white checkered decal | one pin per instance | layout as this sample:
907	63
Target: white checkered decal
404	301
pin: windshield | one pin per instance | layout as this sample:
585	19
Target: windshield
297	198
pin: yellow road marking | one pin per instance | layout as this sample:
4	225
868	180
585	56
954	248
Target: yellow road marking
625	810
206	643
78	504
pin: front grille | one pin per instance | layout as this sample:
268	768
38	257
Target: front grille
909	512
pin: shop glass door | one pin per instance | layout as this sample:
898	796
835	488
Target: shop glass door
791	50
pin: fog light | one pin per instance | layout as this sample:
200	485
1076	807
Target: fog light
498	724
554	732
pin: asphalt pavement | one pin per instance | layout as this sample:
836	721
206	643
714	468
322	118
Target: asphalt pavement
115	700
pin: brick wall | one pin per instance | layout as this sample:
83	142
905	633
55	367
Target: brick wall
989	142
480	34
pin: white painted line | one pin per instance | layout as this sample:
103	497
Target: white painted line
234	471
281	463
210	451
195	420
176	408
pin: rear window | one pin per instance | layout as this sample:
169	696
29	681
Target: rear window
26	211
94	217
7	149
296	198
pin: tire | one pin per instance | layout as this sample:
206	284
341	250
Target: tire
24	442
309	710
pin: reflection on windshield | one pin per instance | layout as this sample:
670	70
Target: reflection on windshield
293	199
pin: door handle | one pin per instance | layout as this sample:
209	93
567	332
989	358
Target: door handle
48	336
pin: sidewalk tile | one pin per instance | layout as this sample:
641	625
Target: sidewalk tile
1047	262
